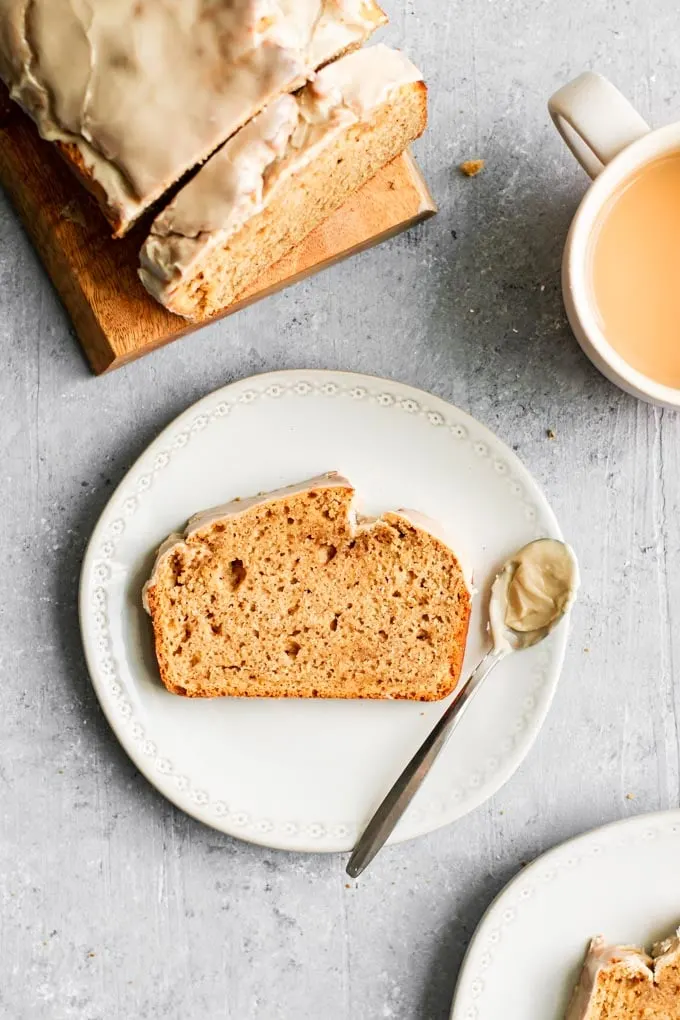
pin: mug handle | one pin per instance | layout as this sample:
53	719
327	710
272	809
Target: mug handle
595	120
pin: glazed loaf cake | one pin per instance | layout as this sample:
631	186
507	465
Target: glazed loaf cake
137	92
279	177
290	595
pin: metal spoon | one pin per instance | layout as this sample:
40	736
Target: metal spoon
506	640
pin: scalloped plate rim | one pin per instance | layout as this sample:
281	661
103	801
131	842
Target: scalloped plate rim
404	391
470	964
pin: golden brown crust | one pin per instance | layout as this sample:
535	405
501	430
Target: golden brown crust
73	158
458	642
159	644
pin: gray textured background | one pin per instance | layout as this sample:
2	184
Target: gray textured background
117	907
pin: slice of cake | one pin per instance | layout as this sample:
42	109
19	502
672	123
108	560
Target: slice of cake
290	594
279	177
624	983
137	93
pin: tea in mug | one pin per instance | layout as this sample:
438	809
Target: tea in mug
634	263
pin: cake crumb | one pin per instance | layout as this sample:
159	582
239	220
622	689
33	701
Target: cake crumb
550	433
348	885
630	796
471	167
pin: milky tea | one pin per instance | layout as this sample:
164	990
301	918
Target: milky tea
634	263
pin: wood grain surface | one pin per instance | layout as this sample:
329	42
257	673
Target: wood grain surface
96	277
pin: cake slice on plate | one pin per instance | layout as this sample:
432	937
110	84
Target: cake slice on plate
290	594
279	177
624	983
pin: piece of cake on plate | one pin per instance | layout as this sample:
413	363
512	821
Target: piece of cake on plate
291	594
279	177
624	983
135	94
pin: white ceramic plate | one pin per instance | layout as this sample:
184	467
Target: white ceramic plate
306	775
621	881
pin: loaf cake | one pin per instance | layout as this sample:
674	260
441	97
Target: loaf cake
291	594
624	983
137	92
279	177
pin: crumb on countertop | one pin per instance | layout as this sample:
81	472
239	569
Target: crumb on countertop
471	167
550	433
630	796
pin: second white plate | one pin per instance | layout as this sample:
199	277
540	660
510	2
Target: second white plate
306	775
621	881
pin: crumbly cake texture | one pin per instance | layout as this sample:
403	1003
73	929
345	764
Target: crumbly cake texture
279	177
624	983
138	92
289	595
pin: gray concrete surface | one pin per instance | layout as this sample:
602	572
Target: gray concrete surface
117	907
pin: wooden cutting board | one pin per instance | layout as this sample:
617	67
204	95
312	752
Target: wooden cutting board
96	277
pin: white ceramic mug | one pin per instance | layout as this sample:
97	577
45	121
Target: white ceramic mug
610	140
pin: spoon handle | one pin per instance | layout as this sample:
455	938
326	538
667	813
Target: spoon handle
400	796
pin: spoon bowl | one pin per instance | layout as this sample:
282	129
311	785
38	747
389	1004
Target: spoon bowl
549	550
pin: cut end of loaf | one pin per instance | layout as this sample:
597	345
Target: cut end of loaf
290	598
226	269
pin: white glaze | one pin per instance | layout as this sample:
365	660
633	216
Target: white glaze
148	90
